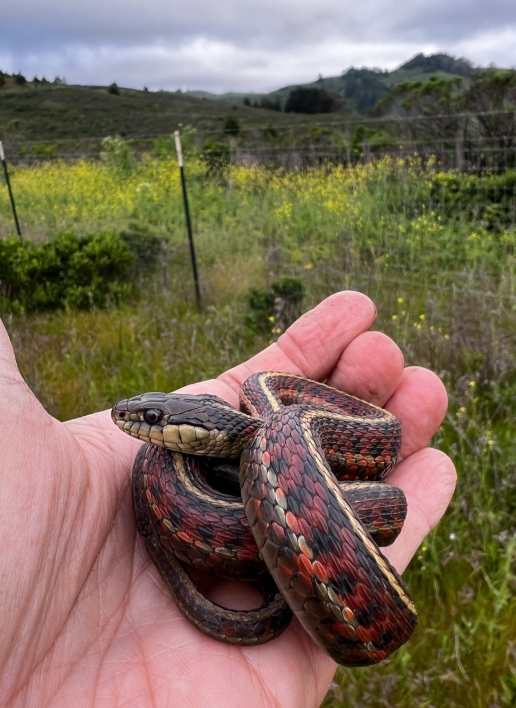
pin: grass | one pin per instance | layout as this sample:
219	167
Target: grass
445	287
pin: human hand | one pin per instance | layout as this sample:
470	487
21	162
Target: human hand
85	617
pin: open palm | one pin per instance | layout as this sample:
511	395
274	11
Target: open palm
84	616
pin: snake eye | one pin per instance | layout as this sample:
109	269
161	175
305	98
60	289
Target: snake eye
152	416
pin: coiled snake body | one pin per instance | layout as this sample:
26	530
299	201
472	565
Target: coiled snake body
316	536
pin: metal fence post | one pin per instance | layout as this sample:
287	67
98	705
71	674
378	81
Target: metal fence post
180	162
11	195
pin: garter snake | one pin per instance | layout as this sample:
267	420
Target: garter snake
311	514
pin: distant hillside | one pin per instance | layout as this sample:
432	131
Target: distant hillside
46	118
41	118
362	88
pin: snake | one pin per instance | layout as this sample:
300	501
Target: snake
289	494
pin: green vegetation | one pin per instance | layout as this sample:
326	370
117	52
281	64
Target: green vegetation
436	251
67	271
433	91
309	100
276	307
72	272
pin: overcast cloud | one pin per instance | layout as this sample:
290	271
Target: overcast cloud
231	45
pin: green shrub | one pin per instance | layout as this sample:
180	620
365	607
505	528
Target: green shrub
116	152
273	309
215	155
46	149
231	126
70	271
489	199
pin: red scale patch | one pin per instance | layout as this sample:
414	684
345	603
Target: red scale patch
320	520
245	555
365	635
306	529
320	571
296	470
305	565
184	537
320	490
342	629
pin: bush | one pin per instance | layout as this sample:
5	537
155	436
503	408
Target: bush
46	149
164	147
116	152
488	199
274	309
70	271
231	126
215	155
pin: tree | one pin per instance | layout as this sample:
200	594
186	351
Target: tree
439	62
231	126
435	106
113	89
492	96
363	88
309	100
270	104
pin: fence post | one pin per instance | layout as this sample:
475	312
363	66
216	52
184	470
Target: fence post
366	152
459	149
232	161
180	162
11	195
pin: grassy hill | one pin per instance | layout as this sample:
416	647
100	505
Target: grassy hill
40	118
66	119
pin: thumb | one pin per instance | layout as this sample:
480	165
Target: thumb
16	399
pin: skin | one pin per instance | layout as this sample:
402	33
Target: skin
85	618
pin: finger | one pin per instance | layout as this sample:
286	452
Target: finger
420	403
428	479
370	367
311	346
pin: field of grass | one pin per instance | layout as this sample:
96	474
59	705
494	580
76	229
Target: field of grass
443	276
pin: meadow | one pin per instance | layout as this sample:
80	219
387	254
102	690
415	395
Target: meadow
435	251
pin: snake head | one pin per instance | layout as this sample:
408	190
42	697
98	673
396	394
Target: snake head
196	425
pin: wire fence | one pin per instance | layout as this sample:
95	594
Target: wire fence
481	156
429	197
467	142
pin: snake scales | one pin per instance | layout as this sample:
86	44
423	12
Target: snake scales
307	525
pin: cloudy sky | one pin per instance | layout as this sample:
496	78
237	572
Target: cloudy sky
234	45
